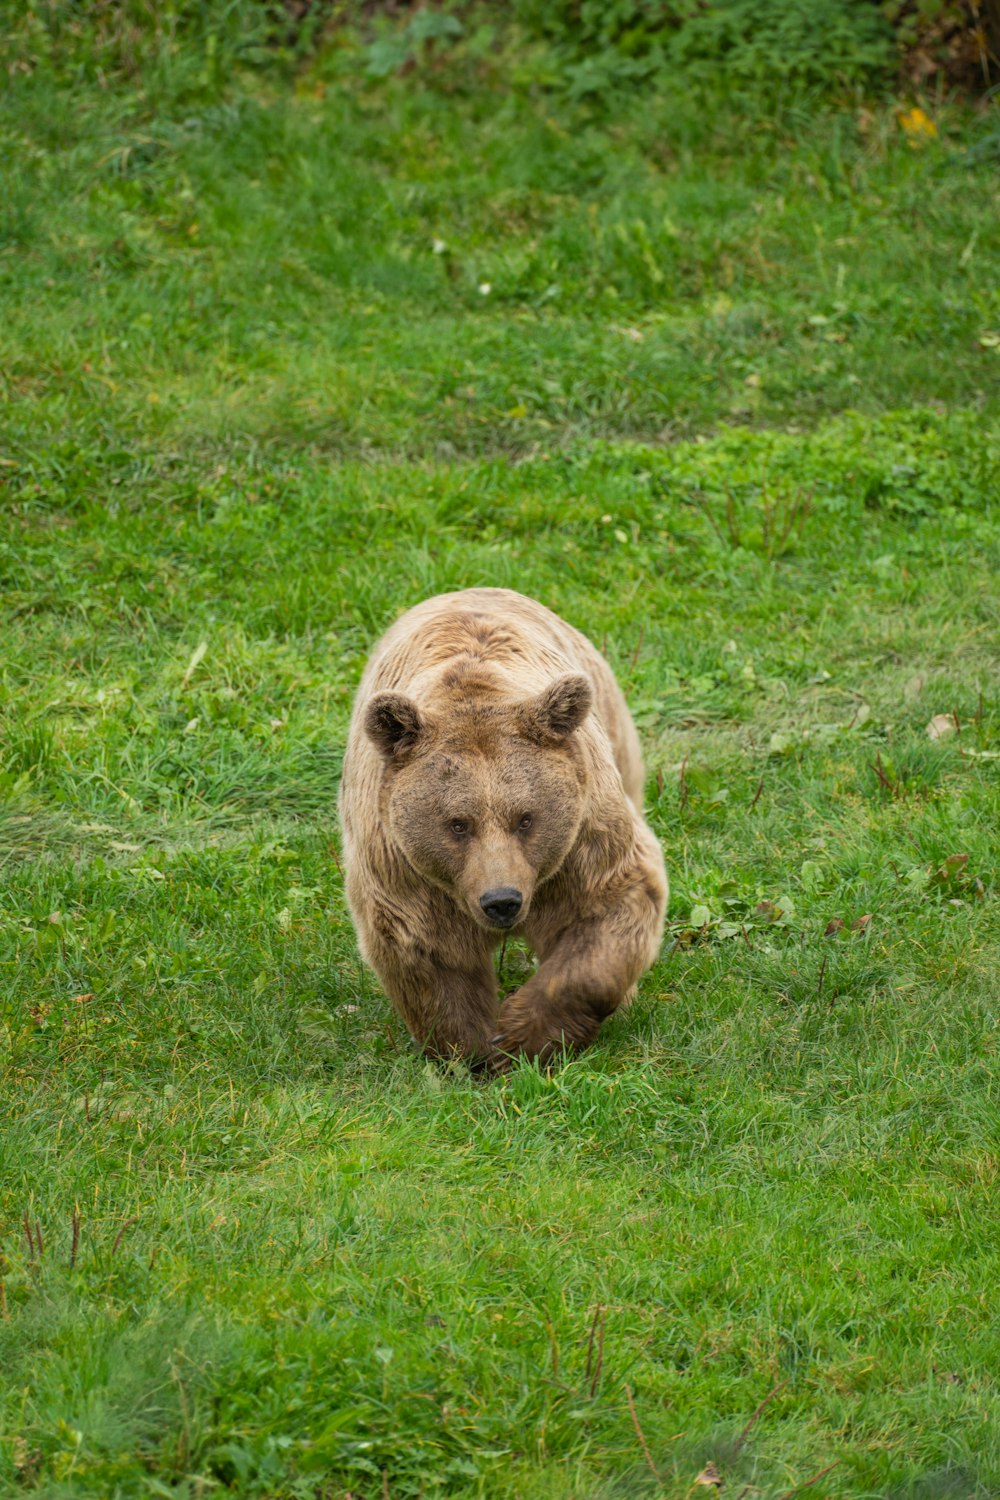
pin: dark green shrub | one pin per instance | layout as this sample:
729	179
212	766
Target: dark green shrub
187	48
814	42
817	42
628	25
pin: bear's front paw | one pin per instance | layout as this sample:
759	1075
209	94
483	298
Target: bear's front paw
529	1029
519	1033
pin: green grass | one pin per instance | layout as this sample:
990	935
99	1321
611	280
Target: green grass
730	406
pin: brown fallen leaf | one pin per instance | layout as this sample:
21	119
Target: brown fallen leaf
940	725
861	925
27	1461
710	1476
833	926
951	871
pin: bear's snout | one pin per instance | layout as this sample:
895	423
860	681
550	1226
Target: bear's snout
501	906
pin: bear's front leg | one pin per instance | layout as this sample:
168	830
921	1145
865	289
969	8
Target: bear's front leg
450	1011
587	969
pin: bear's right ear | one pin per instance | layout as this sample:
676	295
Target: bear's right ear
392	723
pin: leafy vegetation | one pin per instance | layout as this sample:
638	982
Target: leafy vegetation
830	42
821	42
593	47
282	356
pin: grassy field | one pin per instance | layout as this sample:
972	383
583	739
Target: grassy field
718	385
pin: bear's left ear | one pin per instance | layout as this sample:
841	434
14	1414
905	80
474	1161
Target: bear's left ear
392	723
560	709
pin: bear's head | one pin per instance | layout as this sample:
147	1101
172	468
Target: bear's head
482	796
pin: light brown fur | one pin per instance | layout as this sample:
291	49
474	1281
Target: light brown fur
485	709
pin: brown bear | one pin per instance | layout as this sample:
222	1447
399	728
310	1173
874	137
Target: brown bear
493	783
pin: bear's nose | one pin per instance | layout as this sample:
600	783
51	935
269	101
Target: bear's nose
501	906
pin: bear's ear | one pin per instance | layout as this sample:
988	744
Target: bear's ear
392	723
560	709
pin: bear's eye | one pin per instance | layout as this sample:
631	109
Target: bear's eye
459	827
525	823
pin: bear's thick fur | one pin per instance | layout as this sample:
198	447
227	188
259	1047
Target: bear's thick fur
493	781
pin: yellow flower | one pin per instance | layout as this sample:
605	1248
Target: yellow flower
917	126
